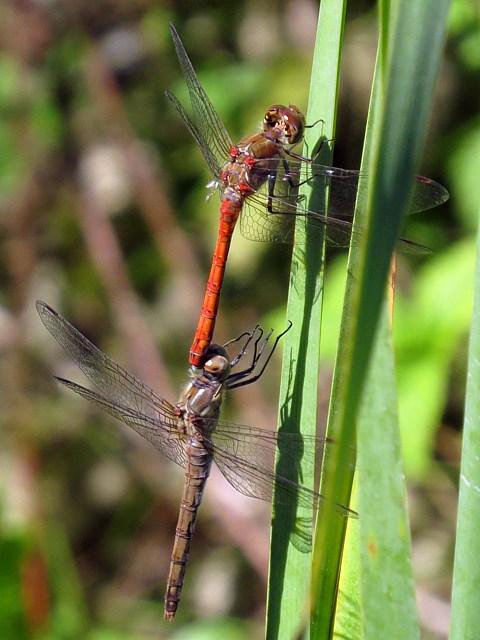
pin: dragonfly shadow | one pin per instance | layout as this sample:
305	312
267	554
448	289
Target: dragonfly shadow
291	528
288	526
301	536
310	239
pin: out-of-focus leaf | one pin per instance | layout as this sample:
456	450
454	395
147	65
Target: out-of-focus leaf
427	332
12	615
214	630
463	165
466	578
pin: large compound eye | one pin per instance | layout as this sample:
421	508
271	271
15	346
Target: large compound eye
295	123
216	365
271	117
289	119
294	109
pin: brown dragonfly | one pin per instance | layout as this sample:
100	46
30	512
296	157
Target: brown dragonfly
258	179
190	432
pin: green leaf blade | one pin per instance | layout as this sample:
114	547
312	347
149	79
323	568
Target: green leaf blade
397	125
290	567
465	618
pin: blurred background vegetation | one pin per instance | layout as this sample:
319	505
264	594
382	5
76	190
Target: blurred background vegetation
103	216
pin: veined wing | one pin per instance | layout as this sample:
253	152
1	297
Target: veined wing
121	393
345	185
161	430
206	150
246	457
206	126
344	188
257	223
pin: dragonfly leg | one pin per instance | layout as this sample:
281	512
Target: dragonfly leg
257	351
287	177
271	180
247	334
245	347
307	159
272	196
314	124
241	378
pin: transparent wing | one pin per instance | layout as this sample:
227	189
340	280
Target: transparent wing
209	156
161	430
246	457
278	225
269	214
206	125
121	393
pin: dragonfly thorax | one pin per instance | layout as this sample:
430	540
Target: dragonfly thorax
202	396
250	164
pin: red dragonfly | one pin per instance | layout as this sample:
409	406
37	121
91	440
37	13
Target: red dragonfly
190	432
259	178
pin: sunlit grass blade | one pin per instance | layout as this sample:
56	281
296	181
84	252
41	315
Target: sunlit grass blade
410	32
388	593
466	574
388	596
289	565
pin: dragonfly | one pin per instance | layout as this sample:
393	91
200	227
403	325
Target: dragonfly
259	179
190	432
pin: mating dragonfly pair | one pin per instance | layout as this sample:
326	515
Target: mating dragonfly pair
258	179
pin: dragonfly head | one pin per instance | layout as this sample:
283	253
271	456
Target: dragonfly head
217	363
286	124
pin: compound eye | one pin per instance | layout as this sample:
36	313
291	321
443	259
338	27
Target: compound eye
273	114
271	117
293	133
216	364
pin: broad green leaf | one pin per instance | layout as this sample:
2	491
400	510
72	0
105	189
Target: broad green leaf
465	620
289	563
401	102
